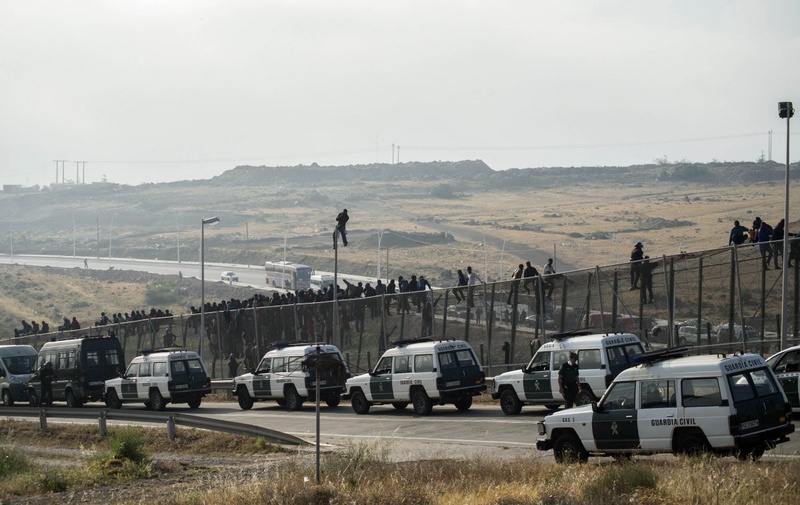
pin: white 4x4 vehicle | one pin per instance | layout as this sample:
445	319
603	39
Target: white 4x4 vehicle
421	371
601	356
287	376
160	377
675	404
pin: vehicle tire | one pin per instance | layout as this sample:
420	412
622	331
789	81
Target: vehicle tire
293	400
584	397
72	401
8	400
692	446
33	398
194	402
400	405
359	403
112	399
509	403
333	401
157	402
422	403
245	400
148	405
552	406
463	402
568	449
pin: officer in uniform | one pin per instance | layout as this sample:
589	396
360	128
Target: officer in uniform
568	382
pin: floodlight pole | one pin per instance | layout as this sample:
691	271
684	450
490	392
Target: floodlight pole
785	110
203	223
336	286
317	373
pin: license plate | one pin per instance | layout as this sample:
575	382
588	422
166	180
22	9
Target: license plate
182	386
749	424
96	383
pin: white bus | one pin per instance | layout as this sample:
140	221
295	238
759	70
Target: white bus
287	275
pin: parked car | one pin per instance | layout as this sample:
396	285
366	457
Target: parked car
230	276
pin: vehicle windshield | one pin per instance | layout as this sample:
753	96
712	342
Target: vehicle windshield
19	364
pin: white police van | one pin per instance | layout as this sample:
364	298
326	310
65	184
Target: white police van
287	375
601	356
16	363
158	377
672	403
786	366
423	372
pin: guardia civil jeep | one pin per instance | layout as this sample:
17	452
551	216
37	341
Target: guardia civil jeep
423	372
673	403
159	377
287	374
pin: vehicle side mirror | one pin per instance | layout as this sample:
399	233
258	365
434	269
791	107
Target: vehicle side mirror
597	408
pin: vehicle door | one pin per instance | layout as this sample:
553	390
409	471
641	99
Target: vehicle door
787	370
261	379
380	381
63	373
758	401
197	374
401	377
127	384
536	378
279	376
459	370
591	371
620	357
658	413
614	423
701	399
144	380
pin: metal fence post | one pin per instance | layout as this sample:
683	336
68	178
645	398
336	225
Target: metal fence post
102	423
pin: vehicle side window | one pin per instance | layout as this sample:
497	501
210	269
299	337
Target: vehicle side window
160	369
622	395
263	367
423	363
589	359
632	350
294	364
616	356
92	358
763	382
63	362
71	361
111	357
278	365
701	393
384	366
133	370
658	394
789	363
540	362
748	385
465	358
447	361
144	370
401	365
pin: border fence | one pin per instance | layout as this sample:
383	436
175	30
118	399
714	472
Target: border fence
718	300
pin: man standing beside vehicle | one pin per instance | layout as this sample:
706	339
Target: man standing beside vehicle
46	374
569	383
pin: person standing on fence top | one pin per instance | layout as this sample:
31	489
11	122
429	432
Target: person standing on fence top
341	223
529	273
777	243
637	254
764	247
646	276
458	292
472	279
515	279
549	273
738	234
569	383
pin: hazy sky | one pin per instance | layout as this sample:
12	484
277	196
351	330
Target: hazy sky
162	90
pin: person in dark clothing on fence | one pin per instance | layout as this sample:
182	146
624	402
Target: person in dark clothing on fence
341	223
777	243
738	234
637	254
646	277
458	292
529	273
515	280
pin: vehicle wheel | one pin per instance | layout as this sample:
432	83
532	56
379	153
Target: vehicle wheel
33	398
568	449
194	402
148	405
400	405
584	397
333	401
509	403
359	403
8	401
293	400
422	404
552	406
245	400
157	402
463	402
72	401
281	402
112	400
692	446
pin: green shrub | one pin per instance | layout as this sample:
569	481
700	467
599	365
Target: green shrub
620	480
12	462
127	444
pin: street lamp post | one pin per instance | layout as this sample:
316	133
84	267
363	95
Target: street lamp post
178	236
785	110
110	231
204	222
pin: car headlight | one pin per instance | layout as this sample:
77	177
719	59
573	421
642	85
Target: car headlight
540	428
16	379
